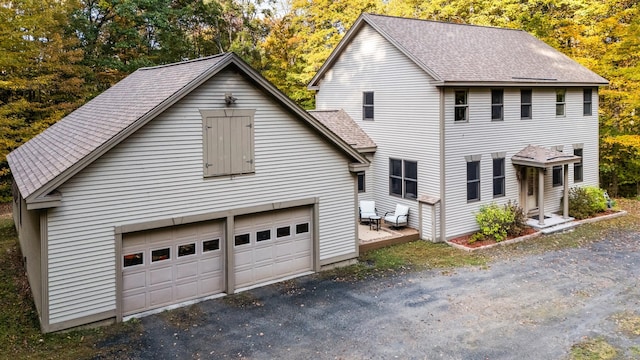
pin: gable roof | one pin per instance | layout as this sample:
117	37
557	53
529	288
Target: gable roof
458	54
344	126
46	161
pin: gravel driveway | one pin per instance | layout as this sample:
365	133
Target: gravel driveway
529	307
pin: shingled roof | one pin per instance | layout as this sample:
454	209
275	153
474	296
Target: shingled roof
47	160
344	126
468	54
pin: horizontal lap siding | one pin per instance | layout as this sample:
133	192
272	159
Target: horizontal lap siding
157	174
481	136
406	113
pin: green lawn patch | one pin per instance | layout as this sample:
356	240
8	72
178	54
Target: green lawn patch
593	349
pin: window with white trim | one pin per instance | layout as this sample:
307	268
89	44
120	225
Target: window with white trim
557	176
560	102
497	105
577	167
473	181
498	177
361	182
526	101
587	102
461	107
367	105
228	142
403	178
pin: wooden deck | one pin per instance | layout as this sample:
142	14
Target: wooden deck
372	239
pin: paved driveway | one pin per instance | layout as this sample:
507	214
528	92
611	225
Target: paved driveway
531	307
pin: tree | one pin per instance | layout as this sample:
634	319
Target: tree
41	78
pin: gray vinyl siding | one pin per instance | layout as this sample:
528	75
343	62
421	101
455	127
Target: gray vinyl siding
28	225
406	112
157	174
481	136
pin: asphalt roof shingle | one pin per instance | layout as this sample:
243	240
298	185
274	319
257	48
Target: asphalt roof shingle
460	53
340	123
63	144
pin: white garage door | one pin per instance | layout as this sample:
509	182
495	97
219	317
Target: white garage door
273	245
171	265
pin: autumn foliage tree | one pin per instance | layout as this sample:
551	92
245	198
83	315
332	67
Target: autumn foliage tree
55	55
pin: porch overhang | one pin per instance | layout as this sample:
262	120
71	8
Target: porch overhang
541	157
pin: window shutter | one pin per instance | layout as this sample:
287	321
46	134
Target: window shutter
248	163
228	143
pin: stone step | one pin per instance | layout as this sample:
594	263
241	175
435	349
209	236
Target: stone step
559	228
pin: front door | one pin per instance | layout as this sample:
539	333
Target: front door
531	188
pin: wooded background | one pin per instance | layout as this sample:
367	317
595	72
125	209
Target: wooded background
57	54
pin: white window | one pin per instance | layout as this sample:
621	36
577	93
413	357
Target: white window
403	178
497	104
560	102
557	176
228	142
361	182
525	104
587	102
498	177
577	167
473	181
461	105
367	105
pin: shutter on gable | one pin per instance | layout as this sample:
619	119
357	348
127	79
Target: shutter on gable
228	145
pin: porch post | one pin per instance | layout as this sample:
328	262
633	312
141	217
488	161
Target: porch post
540	196
565	203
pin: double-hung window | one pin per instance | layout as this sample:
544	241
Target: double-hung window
403	178
367	105
461	106
228	142
587	102
577	167
560	102
557	175
525	104
497	105
498	177
473	181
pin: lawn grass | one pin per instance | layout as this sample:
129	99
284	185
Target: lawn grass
593	349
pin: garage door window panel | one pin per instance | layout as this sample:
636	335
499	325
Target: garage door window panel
242	239
211	245
186	250
302	228
263	235
283	231
133	259
160	254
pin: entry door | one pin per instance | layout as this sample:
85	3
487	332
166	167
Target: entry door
532	190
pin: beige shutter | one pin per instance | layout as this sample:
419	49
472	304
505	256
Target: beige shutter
228	145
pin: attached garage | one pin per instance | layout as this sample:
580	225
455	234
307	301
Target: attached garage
175	264
180	183
171	265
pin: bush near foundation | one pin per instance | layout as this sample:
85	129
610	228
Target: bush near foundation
586	201
499	222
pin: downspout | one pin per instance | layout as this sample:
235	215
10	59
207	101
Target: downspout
443	199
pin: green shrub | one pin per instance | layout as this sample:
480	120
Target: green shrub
586	201
499	222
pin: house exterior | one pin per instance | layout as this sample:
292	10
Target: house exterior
180	183
463	116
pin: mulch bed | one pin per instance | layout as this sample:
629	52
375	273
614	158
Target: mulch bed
464	240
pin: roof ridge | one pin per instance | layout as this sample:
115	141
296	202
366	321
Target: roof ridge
443	22
184	62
